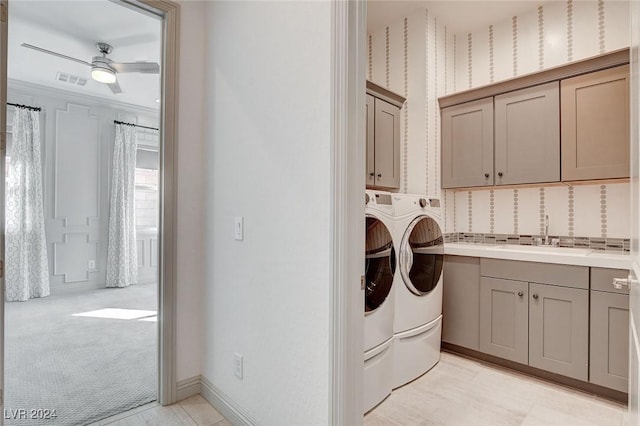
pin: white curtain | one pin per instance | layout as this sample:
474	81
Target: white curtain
27	269
122	253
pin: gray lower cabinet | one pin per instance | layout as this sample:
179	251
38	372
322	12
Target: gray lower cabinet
543	325
559	330
461	301
574	323
504	318
609	333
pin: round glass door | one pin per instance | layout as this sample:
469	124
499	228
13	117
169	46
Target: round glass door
422	255
380	264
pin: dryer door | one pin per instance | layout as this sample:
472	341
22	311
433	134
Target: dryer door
422	255
380	264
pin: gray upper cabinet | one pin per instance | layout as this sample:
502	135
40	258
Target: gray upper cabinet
527	135
467	144
595	125
609	333
559	330
371	167
387	144
383	137
461	301
504	318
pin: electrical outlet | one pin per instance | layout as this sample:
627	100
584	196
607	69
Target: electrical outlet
237	365
92	264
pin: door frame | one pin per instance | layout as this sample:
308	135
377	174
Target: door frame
348	100
4	13
169	11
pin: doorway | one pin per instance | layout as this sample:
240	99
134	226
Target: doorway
77	335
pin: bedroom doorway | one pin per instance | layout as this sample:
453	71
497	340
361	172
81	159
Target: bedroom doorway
77	350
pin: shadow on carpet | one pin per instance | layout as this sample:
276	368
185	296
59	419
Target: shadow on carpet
86	369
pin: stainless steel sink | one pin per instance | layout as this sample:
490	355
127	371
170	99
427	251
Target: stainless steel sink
543	250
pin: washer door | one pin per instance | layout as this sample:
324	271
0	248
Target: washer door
380	264
422	255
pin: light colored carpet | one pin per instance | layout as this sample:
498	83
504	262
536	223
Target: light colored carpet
84	368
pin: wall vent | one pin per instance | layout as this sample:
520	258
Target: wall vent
71	79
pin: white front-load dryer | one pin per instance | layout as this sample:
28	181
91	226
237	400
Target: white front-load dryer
380	273
418	292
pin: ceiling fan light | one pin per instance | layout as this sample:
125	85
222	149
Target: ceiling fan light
103	75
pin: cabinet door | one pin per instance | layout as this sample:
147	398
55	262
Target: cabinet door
558	329
370	178
503	318
467	144
461	301
595	125
387	144
527	135
609	336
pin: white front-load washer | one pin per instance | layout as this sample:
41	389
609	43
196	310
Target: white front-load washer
418	293
380	273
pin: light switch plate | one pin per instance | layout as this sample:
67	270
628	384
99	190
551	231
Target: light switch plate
239	228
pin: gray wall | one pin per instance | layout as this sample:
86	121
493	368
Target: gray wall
77	143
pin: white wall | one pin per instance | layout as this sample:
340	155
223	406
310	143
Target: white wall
189	195
440	63
267	158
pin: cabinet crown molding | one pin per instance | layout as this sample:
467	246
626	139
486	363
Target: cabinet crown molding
596	63
385	94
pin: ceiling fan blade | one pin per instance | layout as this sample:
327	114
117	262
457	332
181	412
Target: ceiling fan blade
59	55
141	67
115	87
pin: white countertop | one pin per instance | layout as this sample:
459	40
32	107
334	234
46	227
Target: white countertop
594	258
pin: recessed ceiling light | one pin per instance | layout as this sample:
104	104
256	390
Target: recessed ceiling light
157	101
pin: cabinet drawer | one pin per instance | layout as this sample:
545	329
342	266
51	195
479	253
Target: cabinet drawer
602	280
544	273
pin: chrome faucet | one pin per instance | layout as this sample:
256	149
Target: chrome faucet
546	230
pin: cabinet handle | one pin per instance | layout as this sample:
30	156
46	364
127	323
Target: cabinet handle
486	175
520	294
379	175
535	296
372	174
500	174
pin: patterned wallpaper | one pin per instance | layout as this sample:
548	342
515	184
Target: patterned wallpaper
418	57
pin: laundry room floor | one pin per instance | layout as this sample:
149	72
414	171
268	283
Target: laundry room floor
461	391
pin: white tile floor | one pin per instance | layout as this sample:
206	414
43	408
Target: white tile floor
194	411
457	391
460	391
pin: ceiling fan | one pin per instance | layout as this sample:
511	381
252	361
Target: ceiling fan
104	69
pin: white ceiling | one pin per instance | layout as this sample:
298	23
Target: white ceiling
73	28
460	16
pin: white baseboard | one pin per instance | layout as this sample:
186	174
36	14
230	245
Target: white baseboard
221	402
201	385
188	387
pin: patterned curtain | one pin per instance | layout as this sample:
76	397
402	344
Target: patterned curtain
122	253
27	266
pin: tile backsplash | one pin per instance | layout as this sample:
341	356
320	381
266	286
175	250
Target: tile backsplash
615	245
